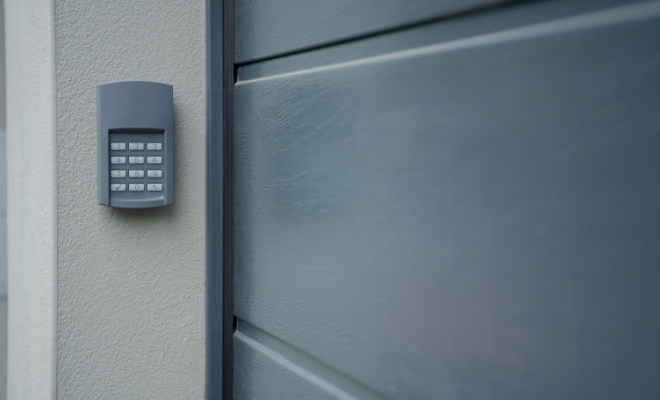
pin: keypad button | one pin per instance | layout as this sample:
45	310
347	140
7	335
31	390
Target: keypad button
136	160
154	173
136	173
154	160
136	187
136	146
117	187
118	160
117	146
117	173
154	146
154	187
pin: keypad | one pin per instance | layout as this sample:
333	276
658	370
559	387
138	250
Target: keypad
136	165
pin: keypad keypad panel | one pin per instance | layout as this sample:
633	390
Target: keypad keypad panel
136	169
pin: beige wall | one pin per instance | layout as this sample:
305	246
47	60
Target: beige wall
127	287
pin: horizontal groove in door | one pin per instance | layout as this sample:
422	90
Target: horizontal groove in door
516	15
268	28
269	368
479	221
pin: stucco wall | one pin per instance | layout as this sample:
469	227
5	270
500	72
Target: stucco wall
130	284
31	198
130	287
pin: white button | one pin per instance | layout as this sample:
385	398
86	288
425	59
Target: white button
154	173
117	160
136	187
136	173
136	146
154	187
118	187
136	160
154	146
117	173
155	160
117	146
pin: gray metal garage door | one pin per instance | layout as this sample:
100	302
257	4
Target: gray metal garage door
447	200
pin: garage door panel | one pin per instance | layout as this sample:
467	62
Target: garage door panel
467	221
267	28
474	24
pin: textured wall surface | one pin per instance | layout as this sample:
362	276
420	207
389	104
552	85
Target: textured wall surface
105	303
31	199
130	288
3	159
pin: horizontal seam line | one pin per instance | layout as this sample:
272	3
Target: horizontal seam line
296	368
384	31
568	24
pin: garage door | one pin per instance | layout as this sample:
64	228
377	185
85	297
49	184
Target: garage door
446	200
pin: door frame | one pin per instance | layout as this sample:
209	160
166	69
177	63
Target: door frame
219	281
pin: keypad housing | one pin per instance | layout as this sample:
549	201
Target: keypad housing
135	129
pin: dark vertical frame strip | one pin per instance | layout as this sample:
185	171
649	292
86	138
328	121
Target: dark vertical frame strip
219	293
228	73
